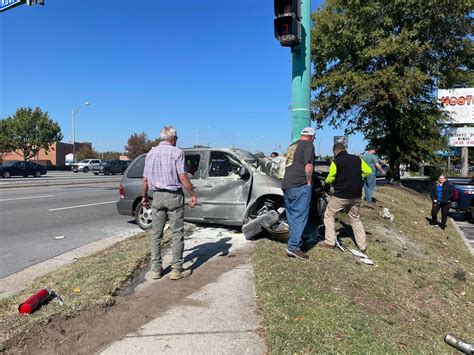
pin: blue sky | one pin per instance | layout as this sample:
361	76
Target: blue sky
208	66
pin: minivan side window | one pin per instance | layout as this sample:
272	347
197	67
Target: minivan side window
135	171
223	164
191	164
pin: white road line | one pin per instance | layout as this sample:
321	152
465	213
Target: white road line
24	198
79	206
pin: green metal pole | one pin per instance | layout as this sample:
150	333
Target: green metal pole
301	78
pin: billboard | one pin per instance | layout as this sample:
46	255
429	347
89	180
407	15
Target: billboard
458	103
461	137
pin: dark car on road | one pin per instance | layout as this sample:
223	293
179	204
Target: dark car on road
21	168
110	167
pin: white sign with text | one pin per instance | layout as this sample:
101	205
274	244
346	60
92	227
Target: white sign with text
461	137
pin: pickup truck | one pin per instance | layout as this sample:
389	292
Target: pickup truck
463	194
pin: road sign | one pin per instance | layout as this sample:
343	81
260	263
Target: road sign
6	4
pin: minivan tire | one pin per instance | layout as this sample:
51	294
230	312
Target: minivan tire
143	216
6	174
86	169
37	174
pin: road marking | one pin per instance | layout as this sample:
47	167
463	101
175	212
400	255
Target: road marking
79	206
24	198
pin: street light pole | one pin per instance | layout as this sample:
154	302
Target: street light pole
87	103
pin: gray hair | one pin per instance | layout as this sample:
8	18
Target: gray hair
167	133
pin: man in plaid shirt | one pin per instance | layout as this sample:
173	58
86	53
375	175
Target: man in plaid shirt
164	176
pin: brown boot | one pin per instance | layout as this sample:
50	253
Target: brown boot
297	254
326	245
180	273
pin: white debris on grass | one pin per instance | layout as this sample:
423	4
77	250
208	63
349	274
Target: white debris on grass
385	214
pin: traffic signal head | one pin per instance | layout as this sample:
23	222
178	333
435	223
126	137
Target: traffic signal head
287	24
283	7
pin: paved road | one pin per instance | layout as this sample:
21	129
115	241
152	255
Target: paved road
56	177
462	220
31	218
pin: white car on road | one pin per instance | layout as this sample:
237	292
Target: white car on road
85	165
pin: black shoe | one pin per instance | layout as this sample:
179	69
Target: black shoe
296	254
433	223
442	227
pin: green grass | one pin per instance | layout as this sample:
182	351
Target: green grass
89	282
405	303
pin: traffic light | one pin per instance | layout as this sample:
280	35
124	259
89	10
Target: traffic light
287	24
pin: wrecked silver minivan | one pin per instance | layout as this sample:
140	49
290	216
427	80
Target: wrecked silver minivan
230	188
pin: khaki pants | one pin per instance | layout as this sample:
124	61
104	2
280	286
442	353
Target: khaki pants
352	207
165	206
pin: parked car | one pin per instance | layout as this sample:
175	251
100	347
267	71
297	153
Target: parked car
22	168
110	167
85	165
463	194
229	187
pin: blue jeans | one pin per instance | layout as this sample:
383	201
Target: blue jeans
297	203
369	187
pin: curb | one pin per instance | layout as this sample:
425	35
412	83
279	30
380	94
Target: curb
461	233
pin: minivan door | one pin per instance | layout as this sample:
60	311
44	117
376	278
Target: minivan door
194	165
224	194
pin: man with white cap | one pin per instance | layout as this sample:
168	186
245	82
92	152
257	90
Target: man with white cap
297	189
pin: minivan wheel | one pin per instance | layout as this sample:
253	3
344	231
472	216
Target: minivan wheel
37	174
86	169
6	174
143	216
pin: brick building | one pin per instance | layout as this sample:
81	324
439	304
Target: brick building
55	157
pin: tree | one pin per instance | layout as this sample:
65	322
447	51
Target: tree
377	65
32	130
5	137
86	152
138	144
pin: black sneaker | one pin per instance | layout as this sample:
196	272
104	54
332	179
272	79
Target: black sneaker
296	254
433	223
442	227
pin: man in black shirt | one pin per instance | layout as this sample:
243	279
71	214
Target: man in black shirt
297	188
347	173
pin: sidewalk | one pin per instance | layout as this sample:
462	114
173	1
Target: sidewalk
217	318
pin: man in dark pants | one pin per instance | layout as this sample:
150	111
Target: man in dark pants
441	195
297	189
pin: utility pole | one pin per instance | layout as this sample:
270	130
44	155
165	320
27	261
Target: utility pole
301	76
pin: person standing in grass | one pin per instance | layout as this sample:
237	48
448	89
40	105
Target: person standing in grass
441	195
346	173
297	189
372	160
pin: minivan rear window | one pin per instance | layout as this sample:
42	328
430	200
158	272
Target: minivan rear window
135	171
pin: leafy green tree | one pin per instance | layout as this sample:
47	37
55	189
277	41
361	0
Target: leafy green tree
139	143
32	130
5	137
377	65
86	152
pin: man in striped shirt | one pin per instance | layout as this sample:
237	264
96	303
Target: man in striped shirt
164	176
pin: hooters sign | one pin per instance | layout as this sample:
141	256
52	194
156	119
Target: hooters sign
459	104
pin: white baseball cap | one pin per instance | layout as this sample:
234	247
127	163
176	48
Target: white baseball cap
308	131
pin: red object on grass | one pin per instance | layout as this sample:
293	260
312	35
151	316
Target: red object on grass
34	301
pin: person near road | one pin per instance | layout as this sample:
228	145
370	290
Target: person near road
297	189
346	173
164	176
372	160
441	195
